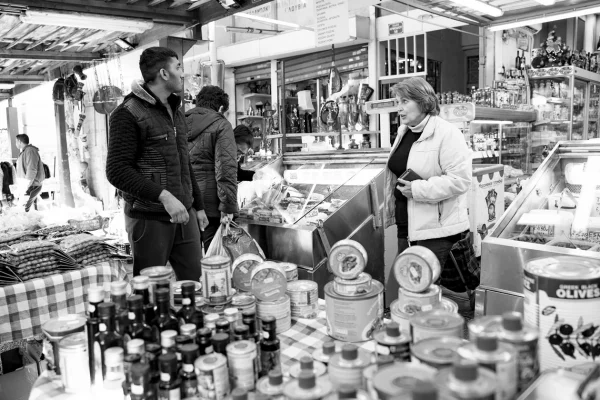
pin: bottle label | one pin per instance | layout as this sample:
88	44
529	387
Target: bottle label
102	327
188	367
91	308
189	389
131	316
165	377
209	350
137	389
166	394
186	301
506	372
270	360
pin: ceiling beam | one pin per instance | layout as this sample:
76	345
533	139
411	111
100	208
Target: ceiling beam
458	17
23	37
112	9
22	78
47	37
48	55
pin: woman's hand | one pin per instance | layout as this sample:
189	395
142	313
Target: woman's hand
406	190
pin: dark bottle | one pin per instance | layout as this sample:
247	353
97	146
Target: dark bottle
92	327
139	388
198	320
518	61
128	361
270	348
254	336
167	341
165	284
220	342
153	351
241	332
118	295
188	303
107	336
165	320
189	380
95	296
203	336
137	328
141	286
222	326
188	330
522	61
169	386
181	341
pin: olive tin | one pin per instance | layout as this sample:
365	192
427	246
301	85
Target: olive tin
416	268
242	268
216	279
352	287
268	282
304	298
347	259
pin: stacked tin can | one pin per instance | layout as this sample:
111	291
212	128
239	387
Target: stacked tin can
353	301
416	269
268	283
216	284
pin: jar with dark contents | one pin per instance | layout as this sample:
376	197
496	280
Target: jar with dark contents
139	388
170	383
188	330
153	351
167	341
189	380
203	341
241	332
220	342
181	340
128	361
222	326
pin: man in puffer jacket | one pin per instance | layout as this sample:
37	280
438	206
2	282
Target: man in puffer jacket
213	154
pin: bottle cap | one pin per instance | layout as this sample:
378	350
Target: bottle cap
204	333
106	309
167	363
189	353
113	355
486	342
384	359
180	340
424	391
140	282
346	392
167	338
248	314
329	348
306	363
188	289
135	346
275	378
230	312
392	329
512	321
239	394
135	302
188	330
220	341
212	317
118	288
465	370
349	352
307	379
162	295
95	294
268	322
153	348
241	330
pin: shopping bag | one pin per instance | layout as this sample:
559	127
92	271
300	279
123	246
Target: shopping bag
462	270
216	245
237	241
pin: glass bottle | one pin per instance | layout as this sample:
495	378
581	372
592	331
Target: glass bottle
222	326
118	295
203	336
137	346
164	320
128	361
141	286
115	373
180	341
270	348
167	341
241	332
189	380
137	328
188	330
95	296
188	303
139	388
106	337
153	351
220	342
518	61
169	386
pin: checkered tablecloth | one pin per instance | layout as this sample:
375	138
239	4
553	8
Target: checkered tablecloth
26	306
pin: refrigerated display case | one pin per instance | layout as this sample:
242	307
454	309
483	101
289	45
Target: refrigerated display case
323	197
556	213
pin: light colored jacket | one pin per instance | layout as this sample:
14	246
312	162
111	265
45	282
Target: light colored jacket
30	166
439	204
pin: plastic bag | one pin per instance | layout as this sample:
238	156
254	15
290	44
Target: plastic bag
237	241
216	245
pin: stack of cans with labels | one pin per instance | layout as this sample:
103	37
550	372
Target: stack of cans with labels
268	284
216	284
416	270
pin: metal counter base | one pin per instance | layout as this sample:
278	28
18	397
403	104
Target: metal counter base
494	301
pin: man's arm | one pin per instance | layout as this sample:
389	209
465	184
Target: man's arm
124	137
197	195
226	168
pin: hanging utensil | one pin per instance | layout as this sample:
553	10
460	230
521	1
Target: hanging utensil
335	79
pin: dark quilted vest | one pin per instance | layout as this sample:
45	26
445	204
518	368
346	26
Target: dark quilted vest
163	153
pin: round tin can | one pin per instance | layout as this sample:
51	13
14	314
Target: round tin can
54	330
216	279
413	302
353	319
484	324
279	309
399	379
242	270
307	387
233	315
306	363
214	309
403	318
244	301
213	376
416	268
268	282
435	323
352	287
347	259
391	341
176	288
243	364
562	299
437	352
158	274
74	363
291	271
304	298
466	381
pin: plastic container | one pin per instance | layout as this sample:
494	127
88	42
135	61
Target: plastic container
325	353
466	381
307	387
437	352
391	341
307	364
346	368
399	379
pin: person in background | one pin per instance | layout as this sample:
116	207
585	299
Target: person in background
430	211
149	163
213	152
244	141
30	168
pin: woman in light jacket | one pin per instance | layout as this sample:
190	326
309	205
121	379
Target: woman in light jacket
431	211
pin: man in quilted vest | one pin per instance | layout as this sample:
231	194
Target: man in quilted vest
148	161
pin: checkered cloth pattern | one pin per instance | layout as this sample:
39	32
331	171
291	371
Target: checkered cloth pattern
24	307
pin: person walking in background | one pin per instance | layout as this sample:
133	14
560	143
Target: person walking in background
244	140
213	154
149	162
30	168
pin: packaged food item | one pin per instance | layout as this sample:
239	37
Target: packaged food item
307	364
352	287
416	269
325	353
307	387
216	279
213	376
304	298
268	282
242	357
413	302
271	385
466	381
347	259
437	352
371	370
74	363
242	268
391	341
346	368
435	323
400	379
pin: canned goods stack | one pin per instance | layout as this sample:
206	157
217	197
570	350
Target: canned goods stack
304	298
268	284
216	281
242	269
353	301
416	270
278	309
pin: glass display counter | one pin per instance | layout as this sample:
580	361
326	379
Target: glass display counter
556	213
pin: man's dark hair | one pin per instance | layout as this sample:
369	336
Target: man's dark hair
153	59
23	138
212	97
243	135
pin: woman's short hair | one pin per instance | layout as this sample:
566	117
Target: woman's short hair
243	135
420	91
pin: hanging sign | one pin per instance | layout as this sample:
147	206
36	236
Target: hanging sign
301	12
396	28
332	22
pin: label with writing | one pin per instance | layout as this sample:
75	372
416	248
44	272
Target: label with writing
332	22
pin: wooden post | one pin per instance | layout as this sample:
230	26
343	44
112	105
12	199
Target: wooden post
12	120
64	172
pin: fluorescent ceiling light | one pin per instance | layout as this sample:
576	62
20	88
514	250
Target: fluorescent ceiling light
272	21
480	6
545	18
6	85
239	29
86	21
546	2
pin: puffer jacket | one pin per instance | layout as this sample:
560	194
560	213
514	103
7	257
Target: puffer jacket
439	204
213	154
30	166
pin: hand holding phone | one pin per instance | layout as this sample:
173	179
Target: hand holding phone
409	175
